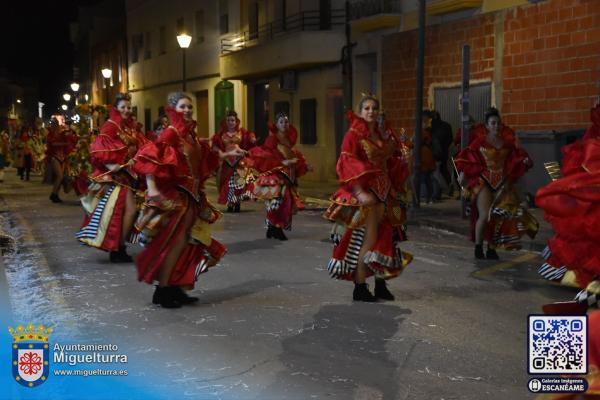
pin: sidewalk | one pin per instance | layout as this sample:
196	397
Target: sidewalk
441	215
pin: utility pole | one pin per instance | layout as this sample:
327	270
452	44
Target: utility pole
419	106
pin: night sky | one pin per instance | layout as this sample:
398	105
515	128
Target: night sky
37	44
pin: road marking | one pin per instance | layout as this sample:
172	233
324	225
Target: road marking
505	265
430	261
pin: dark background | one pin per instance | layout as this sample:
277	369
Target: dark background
37	45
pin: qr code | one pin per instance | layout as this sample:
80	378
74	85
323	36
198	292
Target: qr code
557	344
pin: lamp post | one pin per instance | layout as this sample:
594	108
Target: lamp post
184	41
106	73
67	97
75	89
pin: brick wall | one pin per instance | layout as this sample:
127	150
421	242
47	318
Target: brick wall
550	63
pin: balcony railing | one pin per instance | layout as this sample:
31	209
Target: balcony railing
304	21
367	8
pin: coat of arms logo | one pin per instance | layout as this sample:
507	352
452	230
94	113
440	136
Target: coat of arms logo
30	354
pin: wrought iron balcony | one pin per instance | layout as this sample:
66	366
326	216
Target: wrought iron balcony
314	20
366	8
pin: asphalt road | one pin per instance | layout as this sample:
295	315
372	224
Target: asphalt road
271	324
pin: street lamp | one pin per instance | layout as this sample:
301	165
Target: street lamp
75	86
19	101
184	41
106	73
64	107
67	96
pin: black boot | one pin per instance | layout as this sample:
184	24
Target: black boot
120	256
278	234
479	252
229	209
491	254
270	231
182	297
55	199
361	293
236	208
381	290
166	297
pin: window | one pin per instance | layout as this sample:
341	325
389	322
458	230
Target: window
223	17
148	46
253	20
162	40
180	25
280	14
148	118
308	121
137	42
199	19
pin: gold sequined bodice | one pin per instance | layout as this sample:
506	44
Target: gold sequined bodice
379	153
494	158
232	140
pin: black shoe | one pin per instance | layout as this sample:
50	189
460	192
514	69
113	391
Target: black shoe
491	254
361	293
120	256
278	234
55	199
381	290
229	209
270	232
166	297
479	252
182	297
236	208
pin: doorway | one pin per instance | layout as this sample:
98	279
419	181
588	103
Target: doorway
202	127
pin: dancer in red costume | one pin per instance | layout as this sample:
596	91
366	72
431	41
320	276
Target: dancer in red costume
488	169
572	205
110	203
278	165
176	220
232	143
61	142
367	208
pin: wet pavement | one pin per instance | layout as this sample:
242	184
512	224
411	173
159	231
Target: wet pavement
271	324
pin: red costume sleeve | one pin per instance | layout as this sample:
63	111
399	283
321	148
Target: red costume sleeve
353	167
470	161
217	141
159	158
209	161
108	148
248	139
517	163
266	157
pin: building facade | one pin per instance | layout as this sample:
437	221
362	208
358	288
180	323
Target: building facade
537	62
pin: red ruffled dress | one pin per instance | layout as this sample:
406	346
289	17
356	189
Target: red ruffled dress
104	203
61	142
231	178
498	169
380	167
572	205
275	182
180	163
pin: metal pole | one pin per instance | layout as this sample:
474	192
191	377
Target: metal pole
466	124
184	82
347	67
419	106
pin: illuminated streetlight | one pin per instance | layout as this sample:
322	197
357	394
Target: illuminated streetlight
75	86
18	100
184	41
67	96
86	97
64	107
106	73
